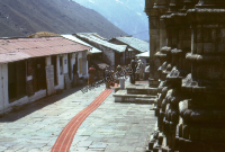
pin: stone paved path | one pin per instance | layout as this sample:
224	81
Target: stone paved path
111	127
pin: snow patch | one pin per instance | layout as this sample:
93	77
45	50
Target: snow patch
91	1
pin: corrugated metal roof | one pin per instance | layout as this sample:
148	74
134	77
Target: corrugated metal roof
95	39
73	38
12	50
94	34
135	43
145	55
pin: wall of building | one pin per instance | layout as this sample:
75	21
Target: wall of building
85	64
133	53
73	61
3	86
60	74
5	106
62	71
144	59
79	56
49	76
108	56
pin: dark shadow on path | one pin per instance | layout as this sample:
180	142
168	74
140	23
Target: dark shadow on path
29	108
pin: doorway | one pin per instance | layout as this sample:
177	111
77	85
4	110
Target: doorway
41	74
69	66
17	80
54	63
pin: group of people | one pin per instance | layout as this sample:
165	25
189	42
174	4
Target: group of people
137	70
108	75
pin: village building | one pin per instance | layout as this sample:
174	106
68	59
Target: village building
112	54
144	57
134	46
94	55
33	68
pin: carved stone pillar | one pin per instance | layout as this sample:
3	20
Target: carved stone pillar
203	128
154	9
175	68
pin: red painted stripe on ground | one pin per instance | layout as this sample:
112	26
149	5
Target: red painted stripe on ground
65	138
78	119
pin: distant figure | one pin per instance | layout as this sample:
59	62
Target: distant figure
140	70
91	73
112	78
107	78
133	64
120	72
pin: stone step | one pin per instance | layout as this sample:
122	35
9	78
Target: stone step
142	90
123	96
144	100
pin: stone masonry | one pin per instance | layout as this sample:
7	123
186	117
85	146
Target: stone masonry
187	65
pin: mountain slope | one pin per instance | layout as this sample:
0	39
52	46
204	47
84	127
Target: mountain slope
25	17
128	15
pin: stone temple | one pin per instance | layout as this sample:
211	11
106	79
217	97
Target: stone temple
187	65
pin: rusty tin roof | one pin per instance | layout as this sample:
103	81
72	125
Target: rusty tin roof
16	49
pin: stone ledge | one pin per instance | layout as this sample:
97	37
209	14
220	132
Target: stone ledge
123	93
134	100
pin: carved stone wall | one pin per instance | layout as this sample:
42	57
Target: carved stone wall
191	51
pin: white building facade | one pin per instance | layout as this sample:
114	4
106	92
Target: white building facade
26	79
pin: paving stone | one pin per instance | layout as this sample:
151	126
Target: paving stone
97	146
112	127
84	143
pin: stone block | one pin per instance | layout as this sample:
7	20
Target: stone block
194	134
119	99
212	134
209	48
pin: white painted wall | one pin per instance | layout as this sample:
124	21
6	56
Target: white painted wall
65	63
48	60
5	106
78	63
85	64
38	95
109	57
4	99
143	59
73	61
49	68
60	76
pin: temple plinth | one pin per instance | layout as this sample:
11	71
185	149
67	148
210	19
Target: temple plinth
190	63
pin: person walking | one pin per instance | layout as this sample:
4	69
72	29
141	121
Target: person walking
91	73
107	78
133	64
139	70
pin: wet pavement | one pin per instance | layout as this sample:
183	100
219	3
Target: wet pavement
112	127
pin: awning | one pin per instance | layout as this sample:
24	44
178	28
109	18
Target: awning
144	55
100	64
